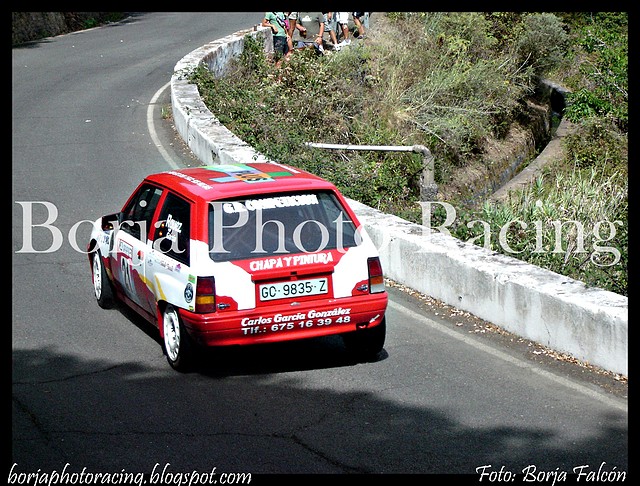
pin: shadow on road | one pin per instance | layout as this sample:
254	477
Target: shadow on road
260	411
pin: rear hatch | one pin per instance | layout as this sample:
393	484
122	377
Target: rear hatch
289	243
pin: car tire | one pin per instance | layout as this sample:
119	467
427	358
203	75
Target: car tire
366	344
102	288
178	346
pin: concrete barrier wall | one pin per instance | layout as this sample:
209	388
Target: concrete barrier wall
558	312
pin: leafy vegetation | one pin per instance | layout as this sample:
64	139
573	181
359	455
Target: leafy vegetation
454	82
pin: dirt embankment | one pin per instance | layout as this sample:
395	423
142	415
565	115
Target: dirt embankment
30	26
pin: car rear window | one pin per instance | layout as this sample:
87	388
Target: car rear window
276	224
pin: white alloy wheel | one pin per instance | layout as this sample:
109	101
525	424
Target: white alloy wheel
171	334
177	343
101	284
97	276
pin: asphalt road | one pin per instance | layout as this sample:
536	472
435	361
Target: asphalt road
92	391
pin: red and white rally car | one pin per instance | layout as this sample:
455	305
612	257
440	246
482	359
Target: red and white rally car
241	254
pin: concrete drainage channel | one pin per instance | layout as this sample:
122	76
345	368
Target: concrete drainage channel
563	314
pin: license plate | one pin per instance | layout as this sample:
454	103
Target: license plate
297	288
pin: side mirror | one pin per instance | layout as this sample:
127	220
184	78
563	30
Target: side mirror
109	220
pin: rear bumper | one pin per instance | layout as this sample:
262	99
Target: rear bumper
285	322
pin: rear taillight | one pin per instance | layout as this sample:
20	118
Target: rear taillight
205	295
376	278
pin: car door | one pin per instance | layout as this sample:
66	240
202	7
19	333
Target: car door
131	245
169	254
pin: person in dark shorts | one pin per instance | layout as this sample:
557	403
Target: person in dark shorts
358	23
278	23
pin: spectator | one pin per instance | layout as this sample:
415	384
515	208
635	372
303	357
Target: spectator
358	23
281	38
295	24
314	23
343	22
329	25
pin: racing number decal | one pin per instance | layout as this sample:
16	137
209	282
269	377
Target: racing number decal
126	263
127	275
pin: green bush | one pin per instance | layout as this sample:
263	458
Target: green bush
601	89
541	42
597	143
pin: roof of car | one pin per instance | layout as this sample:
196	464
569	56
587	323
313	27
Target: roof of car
223	181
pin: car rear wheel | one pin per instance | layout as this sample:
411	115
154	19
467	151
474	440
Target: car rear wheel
367	343
177	344
101	283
